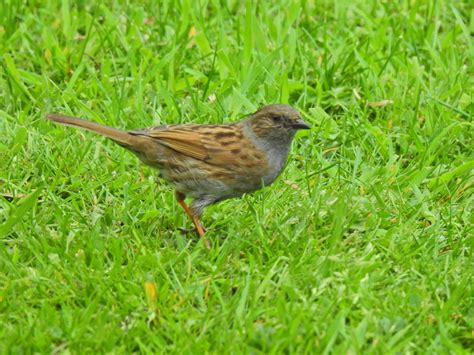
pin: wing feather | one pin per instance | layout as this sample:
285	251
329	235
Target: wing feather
186	142
193	141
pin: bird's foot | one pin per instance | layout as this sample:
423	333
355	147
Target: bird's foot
186	231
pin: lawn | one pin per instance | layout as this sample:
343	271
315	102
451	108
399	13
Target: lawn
363	245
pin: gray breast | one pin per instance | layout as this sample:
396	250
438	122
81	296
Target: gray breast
276	151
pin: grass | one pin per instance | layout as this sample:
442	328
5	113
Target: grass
364	245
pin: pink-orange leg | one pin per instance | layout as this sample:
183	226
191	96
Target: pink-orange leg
194	218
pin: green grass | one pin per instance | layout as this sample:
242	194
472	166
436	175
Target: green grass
364	245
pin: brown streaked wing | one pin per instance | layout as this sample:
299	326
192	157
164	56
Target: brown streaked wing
183	141
194	141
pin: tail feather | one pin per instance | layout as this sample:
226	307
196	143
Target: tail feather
117	135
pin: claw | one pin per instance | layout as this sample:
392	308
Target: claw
197	223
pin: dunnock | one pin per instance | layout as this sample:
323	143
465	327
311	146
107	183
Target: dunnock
210	163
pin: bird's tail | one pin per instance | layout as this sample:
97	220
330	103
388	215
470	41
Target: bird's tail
121	137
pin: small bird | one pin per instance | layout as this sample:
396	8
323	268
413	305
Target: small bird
208	162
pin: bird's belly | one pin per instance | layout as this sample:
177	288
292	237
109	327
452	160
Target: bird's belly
198	179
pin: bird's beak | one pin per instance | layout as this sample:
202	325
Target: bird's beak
300	124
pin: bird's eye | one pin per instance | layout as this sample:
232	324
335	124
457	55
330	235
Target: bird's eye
277	119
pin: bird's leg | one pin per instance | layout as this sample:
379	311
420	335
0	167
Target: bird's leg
197	223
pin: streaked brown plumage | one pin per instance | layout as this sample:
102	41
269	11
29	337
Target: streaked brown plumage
210	163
